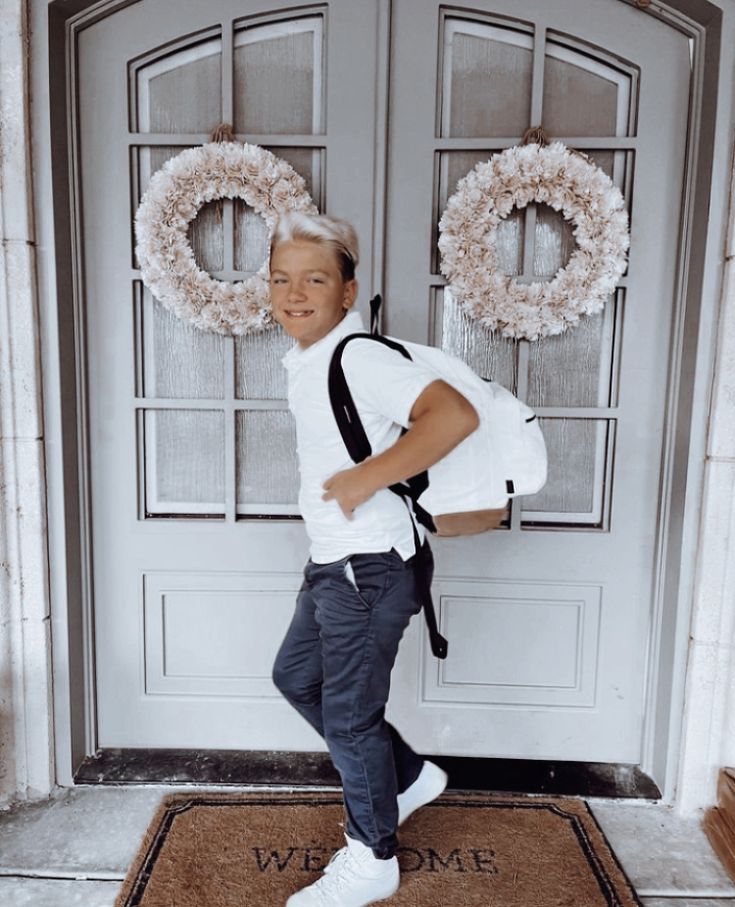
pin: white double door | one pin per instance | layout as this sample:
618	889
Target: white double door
197	549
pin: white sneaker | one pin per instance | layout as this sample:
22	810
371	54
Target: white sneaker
427	787
354	877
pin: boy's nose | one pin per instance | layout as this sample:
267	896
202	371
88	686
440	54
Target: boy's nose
296	292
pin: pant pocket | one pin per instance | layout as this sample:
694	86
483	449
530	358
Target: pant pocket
350	574
368	575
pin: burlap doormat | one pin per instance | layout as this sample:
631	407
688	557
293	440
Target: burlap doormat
463	850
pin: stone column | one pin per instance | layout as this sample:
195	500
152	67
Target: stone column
26	740
708	740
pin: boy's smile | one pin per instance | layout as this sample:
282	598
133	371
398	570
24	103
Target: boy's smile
309	296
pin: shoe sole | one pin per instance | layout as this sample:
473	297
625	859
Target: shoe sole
375	900
380	900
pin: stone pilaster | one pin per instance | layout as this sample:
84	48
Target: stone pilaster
26	743
708	739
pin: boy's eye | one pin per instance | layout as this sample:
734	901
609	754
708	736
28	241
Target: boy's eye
278	280
317	280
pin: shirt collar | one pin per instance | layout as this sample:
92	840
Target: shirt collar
297	356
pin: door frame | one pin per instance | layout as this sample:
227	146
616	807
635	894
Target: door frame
55	28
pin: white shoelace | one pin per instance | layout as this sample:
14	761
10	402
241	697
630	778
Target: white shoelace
336	859
329	885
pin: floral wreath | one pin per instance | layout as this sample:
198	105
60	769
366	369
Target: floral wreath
221	168
569	182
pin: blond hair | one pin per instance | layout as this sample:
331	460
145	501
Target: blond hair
331	232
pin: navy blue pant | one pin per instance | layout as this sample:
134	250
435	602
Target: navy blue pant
334	667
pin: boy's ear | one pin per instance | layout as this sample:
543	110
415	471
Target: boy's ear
350	294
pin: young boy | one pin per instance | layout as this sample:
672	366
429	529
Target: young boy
359	591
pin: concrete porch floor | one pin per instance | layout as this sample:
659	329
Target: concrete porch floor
74	849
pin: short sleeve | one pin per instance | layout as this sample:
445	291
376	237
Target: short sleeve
383	380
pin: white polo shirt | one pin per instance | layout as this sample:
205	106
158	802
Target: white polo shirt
384	386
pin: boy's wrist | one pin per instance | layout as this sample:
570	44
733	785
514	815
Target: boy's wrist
370	470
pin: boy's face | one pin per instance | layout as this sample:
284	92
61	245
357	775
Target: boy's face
309	297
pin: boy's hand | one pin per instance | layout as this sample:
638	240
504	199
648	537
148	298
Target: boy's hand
440	419
349	488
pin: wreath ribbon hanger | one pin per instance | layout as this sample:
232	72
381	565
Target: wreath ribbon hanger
535	135
224	132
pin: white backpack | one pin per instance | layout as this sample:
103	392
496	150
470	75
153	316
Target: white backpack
468	490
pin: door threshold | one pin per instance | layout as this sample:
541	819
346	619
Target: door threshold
275	767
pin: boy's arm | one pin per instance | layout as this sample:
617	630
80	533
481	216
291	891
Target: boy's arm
441	418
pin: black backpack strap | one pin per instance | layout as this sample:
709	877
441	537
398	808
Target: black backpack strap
375	304
352	431
358	446
439	644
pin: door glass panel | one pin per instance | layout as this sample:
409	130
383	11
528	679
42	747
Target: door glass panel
251	232
554	235
147	159
250	238
180	92
309	163
267	470
184	462
492	356
554	242
454	165
259	374
486	79
278	78
578	475
584	95
206	236
177	360
575	368
206	232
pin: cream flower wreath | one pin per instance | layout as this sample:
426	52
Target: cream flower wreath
568	182
219	169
